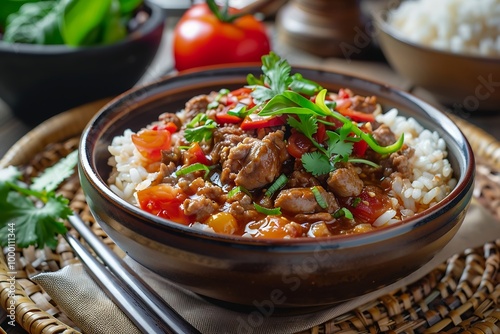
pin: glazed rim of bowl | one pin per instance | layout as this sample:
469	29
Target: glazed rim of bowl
156	17
380	19
142	95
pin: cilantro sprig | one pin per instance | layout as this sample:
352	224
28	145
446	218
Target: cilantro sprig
281	94
34	214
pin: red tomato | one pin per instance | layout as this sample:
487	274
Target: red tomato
201	39
369	205
255	121
164	201
196	154
272	227
298	144
150	143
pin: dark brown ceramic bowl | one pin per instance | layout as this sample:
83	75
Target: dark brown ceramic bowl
40	81
464	83
288	273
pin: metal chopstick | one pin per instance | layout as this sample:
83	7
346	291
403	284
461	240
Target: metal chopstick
137	292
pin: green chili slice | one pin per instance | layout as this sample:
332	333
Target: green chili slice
193	168
278	183
266	211
319	197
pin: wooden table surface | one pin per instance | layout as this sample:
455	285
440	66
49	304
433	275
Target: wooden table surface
12	129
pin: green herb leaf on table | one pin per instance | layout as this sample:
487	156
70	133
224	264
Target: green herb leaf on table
53	176
34	215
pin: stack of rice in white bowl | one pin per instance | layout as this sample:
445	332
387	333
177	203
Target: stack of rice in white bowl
459	26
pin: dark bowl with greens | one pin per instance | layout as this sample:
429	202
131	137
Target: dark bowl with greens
56	55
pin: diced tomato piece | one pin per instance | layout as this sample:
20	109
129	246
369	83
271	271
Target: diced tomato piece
273	227
298	144
223	222
255	121
241	92
359	148
320	134
369	205
333	120
224	118
150	143
357	116
196	154
341	104
164	201
170	127
344	94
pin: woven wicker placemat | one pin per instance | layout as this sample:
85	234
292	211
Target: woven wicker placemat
460	295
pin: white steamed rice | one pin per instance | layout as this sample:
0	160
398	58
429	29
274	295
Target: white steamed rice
459	26
432	175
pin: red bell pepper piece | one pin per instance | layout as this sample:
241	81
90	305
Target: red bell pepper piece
196	154
255	121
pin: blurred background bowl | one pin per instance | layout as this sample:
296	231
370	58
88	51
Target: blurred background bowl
307	272
39	81
462	82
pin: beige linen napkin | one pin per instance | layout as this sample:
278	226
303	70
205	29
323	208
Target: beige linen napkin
87	305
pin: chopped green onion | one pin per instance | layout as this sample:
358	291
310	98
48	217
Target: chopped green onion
343	212
233	191
236	190
193	168
319	198
215	103
266	211
356	202
239	111
278	183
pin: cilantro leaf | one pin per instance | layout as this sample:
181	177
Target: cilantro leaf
276	78
30	224
34	215
306	124
9	174
53	176
200	128
316	163
338	147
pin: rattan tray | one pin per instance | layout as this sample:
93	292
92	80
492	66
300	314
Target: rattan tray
460	295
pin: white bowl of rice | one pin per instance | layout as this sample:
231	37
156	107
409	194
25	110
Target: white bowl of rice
451	48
